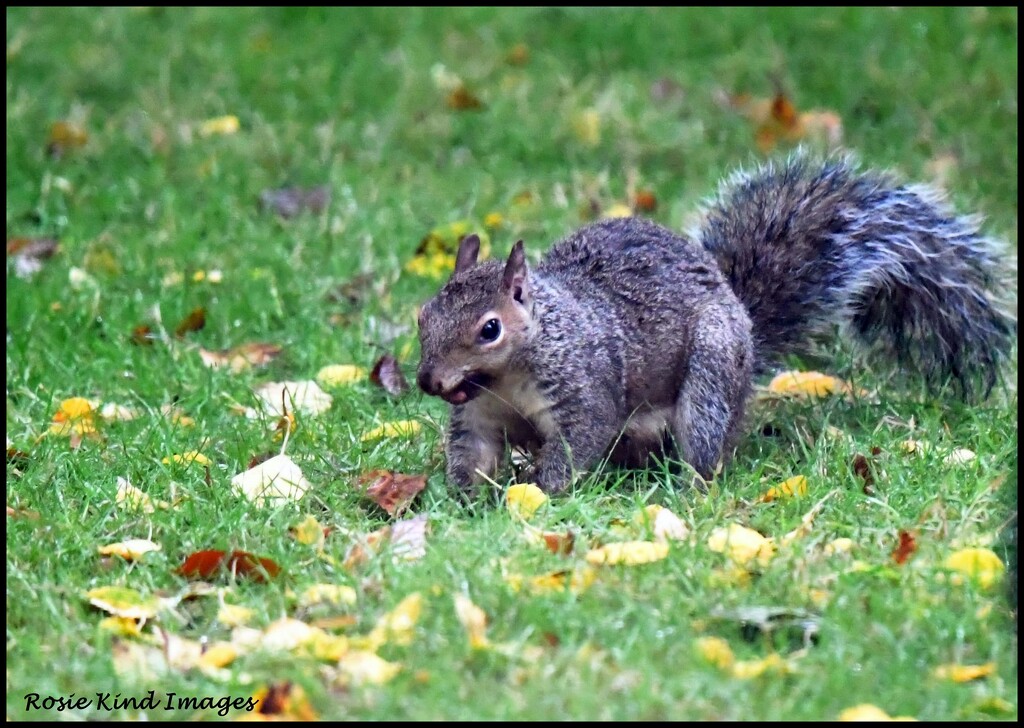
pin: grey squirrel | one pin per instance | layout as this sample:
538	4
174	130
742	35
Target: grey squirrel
629	338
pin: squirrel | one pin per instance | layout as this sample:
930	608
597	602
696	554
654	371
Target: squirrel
629	339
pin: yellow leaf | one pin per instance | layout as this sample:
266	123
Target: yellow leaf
839	546
219	654
617	210
795	486
664	524
716	651
473	619
742	545
338	375
128	496
807	384
121	626
336	594
629	553
219	125
326	647
868	712
586	126
302	397
981	566
964	673
274	481
234	615
431	265
396	627
575	580
914	446
309	532
523	500
398	428
75	415
493	220
123	602
747	669
362	667
192	456
131	550
286	634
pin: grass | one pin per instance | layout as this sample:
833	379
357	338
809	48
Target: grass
348	98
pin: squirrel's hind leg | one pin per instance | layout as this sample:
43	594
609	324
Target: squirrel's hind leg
712	400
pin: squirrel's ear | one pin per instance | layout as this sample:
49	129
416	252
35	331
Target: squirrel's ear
469	249
515	279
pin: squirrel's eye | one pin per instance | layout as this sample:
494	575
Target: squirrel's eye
490	330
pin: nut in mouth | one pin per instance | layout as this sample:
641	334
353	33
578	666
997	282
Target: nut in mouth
472	386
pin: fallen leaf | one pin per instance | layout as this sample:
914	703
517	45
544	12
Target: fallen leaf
906	547
74	416
807	384
629	553
219	654
303	397
964	673
272	482
195	321
462	99
187	458
22	513
111	412
586	127
560	544
645	201
310	532
617	210
523	500
123	602
399	428
716	651
868	712
128	496
663	523
65	135
914	446
795	486
334	594
235	615
290	201
575	581
28	254
773	663
121	626
397	627
741	544
980	565
390	490
219	126
339	375
206	564
473	620
241	357
130	550
388	375
362	667
959	456
409	538
839	546
518	55
283	701
862	468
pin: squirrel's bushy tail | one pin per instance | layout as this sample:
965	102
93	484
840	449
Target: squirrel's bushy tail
807	244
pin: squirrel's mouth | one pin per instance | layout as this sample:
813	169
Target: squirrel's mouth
472	386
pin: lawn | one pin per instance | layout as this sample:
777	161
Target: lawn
142	140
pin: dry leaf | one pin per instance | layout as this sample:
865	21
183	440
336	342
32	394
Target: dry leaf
338	375
518	55
121	626
980	565
741	544
839	546
645	201
303	397
187	458
906	547
65	135
219	125
310	532
664	524
807	384
278	480
407	539
206	564
130	550
74	417
390	490
575	580
964	673
234	615
362	667
334	594
195	321
795	486
862	468
28	254
397	627
959	456
868	712
474	620
128	496
123	602
283	701
617	210
629	553
462	99
241	357
399	428
586	127
388	375
290	201
716	651
523	500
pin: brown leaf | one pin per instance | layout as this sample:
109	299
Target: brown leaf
645	201
862	468
26	513
560	544
390	490
205	564
143	335
17	458
461	99
65	135
195	321
260	458
387	374
283	701
906	548
518	55
241	357
290	201
29	253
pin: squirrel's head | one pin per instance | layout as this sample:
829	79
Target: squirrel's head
479	320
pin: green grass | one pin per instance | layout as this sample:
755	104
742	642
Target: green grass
347	98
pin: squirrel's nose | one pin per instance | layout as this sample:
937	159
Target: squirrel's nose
425	378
